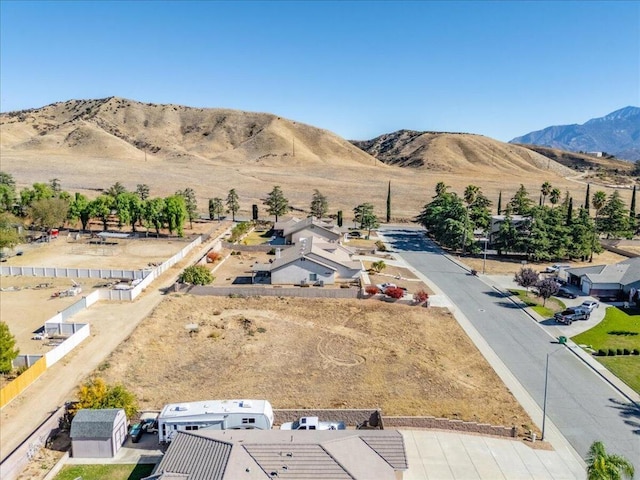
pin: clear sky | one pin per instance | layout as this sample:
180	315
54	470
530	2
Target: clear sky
359	69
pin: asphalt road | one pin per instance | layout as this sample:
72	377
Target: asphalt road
579	402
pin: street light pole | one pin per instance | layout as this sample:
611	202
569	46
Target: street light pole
546	383
484	258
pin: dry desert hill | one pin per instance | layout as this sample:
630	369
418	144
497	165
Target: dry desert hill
91	144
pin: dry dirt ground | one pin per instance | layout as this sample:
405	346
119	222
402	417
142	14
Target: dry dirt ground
511	267
311	353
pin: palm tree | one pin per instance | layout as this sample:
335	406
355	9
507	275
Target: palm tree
471	194
545	190
554	196
604	466
599	200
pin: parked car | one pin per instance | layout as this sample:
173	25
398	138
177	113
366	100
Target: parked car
590	305
571	315
136	432
383	286
312	423
354	235
149	425
565	292
555	267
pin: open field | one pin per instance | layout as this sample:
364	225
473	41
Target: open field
311	353
506	266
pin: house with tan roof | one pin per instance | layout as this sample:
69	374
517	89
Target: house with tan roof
269	454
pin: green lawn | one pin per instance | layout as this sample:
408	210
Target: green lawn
257	237
619	329
626	368
551	306
105	472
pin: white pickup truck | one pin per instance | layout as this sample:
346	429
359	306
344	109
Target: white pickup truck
312	423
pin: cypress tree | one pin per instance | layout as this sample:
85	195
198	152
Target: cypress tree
339	218
632	209
587	201
500	202
389	202
570	211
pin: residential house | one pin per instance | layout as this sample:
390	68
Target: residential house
268	454
607	281
98	433
518	221
293	229
310	261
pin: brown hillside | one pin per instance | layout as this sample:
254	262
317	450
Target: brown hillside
582	161
454	152
91	144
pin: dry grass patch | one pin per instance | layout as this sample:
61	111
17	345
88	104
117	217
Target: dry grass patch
312	353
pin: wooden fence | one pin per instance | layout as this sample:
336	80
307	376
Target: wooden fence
14	388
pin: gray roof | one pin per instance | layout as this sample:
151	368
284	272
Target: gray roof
195	456
334	454
306	223
90	423
624	273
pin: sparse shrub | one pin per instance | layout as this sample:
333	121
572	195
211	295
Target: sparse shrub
371	290
196	275
611	353
378	266
261	330
421	296
394	292
217	312
271	252
213	257
381	246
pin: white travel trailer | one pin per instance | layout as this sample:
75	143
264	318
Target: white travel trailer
214	415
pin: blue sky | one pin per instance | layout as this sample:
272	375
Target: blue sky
359	68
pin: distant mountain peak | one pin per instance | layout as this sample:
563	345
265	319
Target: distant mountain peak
617	133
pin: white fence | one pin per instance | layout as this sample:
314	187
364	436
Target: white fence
63	272
82	331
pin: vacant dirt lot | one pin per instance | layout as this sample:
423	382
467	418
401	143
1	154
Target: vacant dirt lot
302	353
512	266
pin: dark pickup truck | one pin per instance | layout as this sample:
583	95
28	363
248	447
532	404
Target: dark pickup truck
570	315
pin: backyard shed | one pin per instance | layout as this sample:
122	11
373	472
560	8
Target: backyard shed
98	433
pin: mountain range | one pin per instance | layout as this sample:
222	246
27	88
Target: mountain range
617	133
90	144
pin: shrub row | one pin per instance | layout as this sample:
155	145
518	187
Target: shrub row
618	351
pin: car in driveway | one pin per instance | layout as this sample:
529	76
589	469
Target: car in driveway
571	315
590	305
136	432
566	293
555	267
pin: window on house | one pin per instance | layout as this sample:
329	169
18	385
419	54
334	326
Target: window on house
313	277
248	420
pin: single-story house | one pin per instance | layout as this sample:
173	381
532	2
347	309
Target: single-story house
518	221
268	454
310	261
293	229
607	281
98	433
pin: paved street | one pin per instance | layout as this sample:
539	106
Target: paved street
583	406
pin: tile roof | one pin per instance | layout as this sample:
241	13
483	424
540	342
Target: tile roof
198	457
313	455
94	423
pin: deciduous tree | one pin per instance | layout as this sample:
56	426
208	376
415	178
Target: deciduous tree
96	393
49	213
526	277
8	350
9	234
191	204
215	208
175	213
547	288
196	275
319	205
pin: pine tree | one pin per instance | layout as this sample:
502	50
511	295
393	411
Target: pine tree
276	202
233	205
8	352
